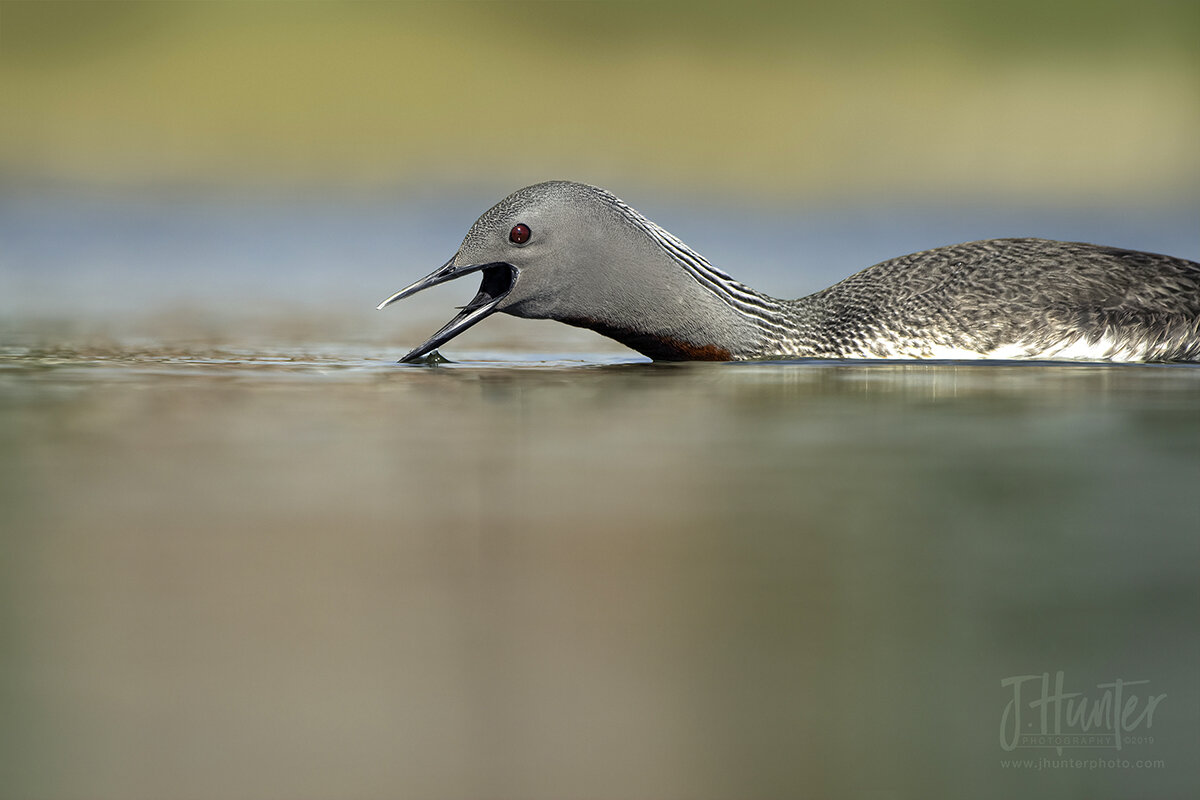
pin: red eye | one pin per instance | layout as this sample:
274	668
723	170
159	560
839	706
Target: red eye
519	234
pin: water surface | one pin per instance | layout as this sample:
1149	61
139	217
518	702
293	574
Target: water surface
308	571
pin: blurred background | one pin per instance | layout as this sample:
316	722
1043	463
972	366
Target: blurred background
1067	100
244	555
337	150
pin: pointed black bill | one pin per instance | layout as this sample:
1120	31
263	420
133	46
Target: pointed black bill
497	282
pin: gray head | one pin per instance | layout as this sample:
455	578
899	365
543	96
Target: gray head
577	254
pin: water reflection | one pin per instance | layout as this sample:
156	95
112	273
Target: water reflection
262	573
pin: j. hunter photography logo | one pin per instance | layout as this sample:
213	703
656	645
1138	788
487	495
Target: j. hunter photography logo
1042	713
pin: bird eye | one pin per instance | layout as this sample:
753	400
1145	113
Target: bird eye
519	234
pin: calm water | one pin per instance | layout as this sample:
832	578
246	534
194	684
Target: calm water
246	555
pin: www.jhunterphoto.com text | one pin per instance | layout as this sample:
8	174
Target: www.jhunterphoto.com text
1044	763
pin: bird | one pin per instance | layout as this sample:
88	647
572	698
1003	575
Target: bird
578	254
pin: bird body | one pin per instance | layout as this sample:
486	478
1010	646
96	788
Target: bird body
578	254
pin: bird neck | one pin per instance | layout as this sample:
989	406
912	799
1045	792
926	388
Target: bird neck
701	316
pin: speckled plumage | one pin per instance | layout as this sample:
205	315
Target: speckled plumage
595	262
1007	298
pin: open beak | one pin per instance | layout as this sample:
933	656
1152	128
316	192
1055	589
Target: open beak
498	280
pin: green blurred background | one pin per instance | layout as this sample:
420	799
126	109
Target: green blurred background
1070	99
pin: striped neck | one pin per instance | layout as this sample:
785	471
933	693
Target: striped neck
774	318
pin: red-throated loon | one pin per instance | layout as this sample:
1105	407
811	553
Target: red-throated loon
578	254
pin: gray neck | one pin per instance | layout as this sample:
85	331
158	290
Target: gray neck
663	312
678	307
